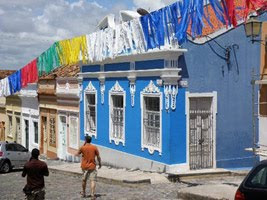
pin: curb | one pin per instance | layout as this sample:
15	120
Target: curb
182	177
103	179
185	195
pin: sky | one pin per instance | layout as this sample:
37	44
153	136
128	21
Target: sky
29	27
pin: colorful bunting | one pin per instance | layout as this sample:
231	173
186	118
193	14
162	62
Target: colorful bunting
4	87
69	51
15	82
29	73
48	61
167	26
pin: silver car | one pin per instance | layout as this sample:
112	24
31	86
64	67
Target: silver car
12	155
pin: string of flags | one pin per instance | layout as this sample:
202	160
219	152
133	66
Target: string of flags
164	28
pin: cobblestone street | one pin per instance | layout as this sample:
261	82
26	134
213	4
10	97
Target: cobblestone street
60	186
66	186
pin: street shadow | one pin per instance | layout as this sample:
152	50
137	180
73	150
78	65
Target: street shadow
96	196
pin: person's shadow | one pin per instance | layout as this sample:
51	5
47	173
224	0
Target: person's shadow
96	196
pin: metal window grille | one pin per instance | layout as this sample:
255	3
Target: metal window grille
90	113
151	121
117	116
35	125
52	138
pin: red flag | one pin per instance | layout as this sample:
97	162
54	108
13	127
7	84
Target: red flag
231	12
254	5
29	73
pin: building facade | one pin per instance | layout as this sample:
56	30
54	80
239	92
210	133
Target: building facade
3	118
171	111
13	125
48	116
68	101
3	115
30	117
131	108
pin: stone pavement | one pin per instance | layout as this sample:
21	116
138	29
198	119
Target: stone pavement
114	175
218	185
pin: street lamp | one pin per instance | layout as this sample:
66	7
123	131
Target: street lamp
253	28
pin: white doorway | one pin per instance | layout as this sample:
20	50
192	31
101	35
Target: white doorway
201	109
26	131
62	148
18	132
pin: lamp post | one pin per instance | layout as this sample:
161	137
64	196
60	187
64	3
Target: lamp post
253	28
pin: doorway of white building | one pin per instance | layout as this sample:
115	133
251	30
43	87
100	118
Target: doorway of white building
62	148
18	133
26	127
201	115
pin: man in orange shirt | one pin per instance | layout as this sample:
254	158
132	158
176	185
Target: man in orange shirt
88	164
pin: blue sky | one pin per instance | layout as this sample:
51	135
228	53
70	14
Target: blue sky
29	27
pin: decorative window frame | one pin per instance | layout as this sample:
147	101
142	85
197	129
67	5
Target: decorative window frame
54	135
151	91
90	89
73	116
62	115
170	96
116	90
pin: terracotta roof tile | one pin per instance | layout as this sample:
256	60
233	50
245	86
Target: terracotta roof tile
63	71
5	73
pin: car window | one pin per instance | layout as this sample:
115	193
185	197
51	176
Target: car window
10	147
258	179
19	147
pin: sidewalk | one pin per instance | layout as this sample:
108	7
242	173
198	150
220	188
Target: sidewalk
114	175
210	185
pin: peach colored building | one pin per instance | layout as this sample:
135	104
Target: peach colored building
68	100
48	115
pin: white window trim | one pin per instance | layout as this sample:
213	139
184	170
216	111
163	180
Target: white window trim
90	89
35	120
116	90
213	95
151	91
77	135
10	129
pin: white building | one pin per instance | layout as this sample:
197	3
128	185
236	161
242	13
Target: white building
30	117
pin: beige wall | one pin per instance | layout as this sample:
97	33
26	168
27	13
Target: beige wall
3	118
13	123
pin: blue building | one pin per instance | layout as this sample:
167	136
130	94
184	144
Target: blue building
174	109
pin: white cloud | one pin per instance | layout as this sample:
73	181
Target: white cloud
152	5
29	27
2	12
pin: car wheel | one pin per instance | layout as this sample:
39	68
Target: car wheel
6	167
